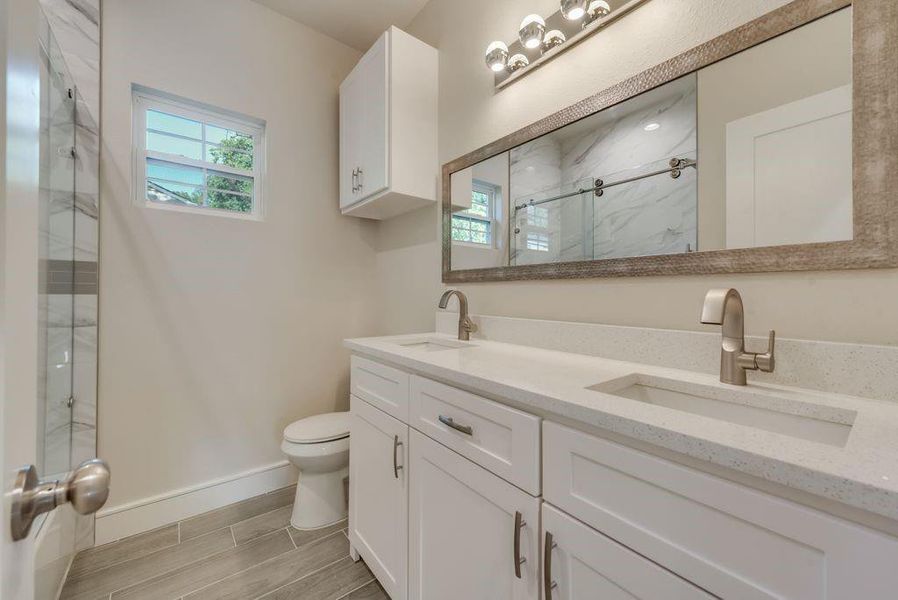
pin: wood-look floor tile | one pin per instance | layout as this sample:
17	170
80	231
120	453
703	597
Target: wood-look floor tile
304	536
372	591
234	513
94	559
99	584
277	572
196	575
333	581
264	523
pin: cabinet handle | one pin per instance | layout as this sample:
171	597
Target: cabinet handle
396	466
450	422
547	567
519	524
360	179
355	175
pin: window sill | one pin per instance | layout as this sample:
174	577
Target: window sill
212	212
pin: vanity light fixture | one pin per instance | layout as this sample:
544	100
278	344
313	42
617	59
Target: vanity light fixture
542	38
574	10
553	38
598	9
497	56
532	30
517	62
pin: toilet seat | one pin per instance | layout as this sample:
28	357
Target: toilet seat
318	429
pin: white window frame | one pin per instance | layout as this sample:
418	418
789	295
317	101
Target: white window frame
144	99
494	193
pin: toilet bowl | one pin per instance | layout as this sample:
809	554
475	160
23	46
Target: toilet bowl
319	447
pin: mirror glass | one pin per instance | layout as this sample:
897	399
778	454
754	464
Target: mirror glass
751	151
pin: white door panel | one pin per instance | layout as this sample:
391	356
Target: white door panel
20	122
462	530
789	173
378	494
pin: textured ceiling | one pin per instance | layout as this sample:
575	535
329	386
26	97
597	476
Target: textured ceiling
353	22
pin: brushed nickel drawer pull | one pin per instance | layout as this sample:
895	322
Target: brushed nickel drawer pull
450	422
547	567
396	466
519	524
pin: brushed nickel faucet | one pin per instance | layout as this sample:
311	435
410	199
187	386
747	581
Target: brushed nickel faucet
465	325
724	307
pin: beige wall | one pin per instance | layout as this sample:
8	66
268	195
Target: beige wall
217	332
853	306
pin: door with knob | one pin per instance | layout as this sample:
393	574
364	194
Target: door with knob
38	398
471	534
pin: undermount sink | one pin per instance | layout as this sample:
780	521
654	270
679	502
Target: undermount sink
762	410
434	344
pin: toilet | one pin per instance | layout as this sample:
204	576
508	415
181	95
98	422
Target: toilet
319	447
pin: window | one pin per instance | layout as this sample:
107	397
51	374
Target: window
475	225
191	157
537	216
538	241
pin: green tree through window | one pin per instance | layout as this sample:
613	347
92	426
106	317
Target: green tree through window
234	151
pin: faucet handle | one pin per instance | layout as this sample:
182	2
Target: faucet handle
767	362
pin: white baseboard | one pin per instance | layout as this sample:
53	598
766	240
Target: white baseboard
116	522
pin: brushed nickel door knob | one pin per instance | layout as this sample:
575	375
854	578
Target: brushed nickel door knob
86	488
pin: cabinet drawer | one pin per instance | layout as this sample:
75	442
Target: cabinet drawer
582	563
729	539
499	438
384	387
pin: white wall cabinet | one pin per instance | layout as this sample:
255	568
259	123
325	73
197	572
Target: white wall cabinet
463	525
378	495
582	564
388	129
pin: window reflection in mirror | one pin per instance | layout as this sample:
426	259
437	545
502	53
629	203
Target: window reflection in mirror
752	151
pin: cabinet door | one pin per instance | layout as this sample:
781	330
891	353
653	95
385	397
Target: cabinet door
351	114
580	563
378	495
462	530
372	147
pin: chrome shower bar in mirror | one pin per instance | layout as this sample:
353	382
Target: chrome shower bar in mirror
744	154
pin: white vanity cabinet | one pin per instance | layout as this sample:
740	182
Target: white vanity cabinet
388	129
451	491
580	563
468	529
378	494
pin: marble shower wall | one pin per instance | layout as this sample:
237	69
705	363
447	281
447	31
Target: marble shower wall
655	215
71	299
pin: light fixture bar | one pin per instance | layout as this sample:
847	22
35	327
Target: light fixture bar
573	30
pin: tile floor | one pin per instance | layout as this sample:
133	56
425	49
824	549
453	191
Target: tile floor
242	551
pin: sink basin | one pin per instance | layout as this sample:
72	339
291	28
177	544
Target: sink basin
786	415
434	344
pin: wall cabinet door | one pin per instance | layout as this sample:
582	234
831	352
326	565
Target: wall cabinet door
363	127
351	98
467	529
378	495
373	153
580	563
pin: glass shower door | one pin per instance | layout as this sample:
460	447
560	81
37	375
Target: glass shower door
56	254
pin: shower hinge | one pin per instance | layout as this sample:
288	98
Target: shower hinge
70	402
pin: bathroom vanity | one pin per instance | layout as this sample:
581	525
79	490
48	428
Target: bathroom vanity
485	469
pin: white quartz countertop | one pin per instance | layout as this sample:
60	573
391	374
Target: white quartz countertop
862	473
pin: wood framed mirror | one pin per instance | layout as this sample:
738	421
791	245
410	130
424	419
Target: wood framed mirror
773	147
